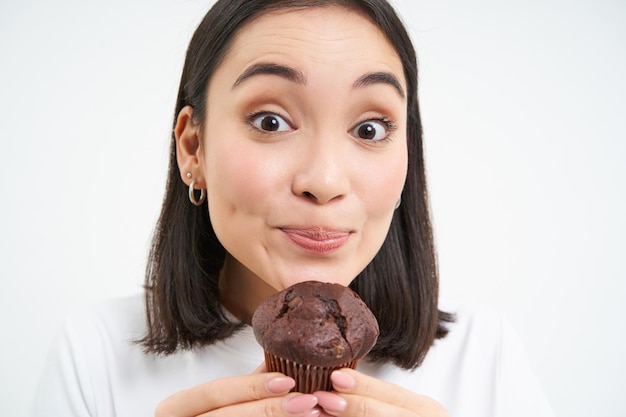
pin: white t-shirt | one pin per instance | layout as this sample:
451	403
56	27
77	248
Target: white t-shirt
94	369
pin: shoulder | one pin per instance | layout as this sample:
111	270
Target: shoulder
479	369
479	330
473	324
84	358
472	344
468	314
473	321
478	334
120	319
99	337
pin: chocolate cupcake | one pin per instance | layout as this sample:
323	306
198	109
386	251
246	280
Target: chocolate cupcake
311	329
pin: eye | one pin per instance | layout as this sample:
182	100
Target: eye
373	130
269	122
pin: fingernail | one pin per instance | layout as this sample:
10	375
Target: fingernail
300	403
280	385
316	412
331	402
342	380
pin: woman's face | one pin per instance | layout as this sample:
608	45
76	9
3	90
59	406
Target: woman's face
304	148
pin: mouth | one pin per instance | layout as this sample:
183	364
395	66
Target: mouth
317	240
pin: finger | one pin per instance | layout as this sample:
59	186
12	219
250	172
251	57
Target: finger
362	394
224	392
349	381
293	405
357	406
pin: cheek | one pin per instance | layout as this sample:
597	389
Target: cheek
241	179
383	187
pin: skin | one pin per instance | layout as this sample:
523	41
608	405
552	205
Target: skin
303	164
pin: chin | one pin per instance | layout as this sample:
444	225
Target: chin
302	277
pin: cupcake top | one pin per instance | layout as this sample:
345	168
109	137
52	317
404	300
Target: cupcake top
315	323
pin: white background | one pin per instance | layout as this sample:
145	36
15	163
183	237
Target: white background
523	105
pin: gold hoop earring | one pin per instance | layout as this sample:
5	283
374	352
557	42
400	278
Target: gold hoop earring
192	195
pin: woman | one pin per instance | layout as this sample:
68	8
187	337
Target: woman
296	155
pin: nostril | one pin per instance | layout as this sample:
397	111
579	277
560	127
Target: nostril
320	189
309	195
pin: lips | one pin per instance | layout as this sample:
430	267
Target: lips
317	240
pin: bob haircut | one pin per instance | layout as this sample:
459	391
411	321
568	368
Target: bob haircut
400	285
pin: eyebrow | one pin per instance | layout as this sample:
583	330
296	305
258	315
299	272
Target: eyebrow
268	68
373	78
294	75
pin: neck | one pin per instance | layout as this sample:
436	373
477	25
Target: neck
241	291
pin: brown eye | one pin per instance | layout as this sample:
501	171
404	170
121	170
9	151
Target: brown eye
269	122
366	131
371	130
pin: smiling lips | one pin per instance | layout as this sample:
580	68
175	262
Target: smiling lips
317	240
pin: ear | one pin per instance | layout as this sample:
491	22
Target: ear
188	149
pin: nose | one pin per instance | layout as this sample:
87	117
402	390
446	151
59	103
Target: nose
321	175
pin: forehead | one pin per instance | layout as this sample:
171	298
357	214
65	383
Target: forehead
334	36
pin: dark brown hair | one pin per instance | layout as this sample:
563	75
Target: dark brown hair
400	285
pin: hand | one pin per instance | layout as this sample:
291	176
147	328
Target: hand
258	394
359	395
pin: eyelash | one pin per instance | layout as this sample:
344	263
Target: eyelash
389	125
249	119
